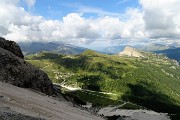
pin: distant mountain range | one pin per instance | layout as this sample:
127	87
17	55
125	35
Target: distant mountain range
154	47
60	47
172	51
148	48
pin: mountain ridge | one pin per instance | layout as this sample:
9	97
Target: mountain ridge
61	48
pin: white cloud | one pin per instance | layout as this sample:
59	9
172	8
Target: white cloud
17	24
162	18
30	3
100	12
82	9
156	20
17	32
15	2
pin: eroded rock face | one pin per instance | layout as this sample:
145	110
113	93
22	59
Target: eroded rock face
131	52
11	46
16	71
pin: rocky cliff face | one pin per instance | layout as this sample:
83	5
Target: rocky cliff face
11	46
131	52
15	70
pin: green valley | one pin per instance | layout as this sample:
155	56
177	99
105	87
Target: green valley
152	81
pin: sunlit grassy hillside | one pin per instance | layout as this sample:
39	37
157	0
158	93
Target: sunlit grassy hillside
152	81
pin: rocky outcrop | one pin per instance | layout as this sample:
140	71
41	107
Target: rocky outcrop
125	114
16	71
11	46
131	52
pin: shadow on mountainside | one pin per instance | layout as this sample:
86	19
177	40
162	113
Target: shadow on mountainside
143	94
46	55
173	53
67	62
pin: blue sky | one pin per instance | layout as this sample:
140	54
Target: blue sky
57	9
91	23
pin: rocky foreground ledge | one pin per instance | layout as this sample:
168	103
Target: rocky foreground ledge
24	104
16	71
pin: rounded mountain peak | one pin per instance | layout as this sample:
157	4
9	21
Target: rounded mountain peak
131	52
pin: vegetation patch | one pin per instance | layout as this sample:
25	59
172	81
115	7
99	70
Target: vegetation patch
152	81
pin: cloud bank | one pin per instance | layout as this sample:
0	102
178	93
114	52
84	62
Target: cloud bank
156	20
162	18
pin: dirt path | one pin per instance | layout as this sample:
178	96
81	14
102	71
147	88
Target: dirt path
33	104
78	88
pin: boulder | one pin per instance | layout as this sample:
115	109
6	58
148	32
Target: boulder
16	71
11	46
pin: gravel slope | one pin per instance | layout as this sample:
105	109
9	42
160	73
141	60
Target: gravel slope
23	103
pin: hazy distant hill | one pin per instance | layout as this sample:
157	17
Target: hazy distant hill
173	53
61	48
113	49
148	48
154	47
